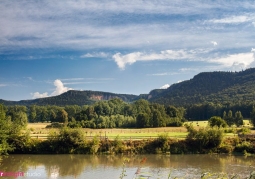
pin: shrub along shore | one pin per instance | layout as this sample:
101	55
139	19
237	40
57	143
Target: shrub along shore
73	141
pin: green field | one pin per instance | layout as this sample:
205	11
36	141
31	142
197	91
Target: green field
38	130
176	132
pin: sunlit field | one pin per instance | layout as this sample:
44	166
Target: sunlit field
39	130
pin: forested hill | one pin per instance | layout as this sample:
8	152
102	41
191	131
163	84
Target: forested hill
73	97
216	87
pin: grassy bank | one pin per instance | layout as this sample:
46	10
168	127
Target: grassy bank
134	141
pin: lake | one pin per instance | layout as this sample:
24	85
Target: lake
110	166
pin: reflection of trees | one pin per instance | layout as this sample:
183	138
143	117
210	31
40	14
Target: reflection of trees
74	165
14	163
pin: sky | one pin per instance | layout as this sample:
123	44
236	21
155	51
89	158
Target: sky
48	47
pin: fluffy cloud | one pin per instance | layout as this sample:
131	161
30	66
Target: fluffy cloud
235	61
214	43
123	60
60	88
39	95
232	20
165	86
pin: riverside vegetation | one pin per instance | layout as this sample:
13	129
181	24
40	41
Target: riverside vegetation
15	137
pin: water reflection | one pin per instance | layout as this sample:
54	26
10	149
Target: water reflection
109	166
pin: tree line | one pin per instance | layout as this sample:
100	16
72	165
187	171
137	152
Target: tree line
103	114
116	113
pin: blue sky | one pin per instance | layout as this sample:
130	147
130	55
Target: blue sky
48	47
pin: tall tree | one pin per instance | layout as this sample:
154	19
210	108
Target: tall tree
32	113
142	120
253	116
238	118
62	116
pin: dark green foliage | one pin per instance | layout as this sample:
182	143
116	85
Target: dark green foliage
206	111
214	87
12	121
253	116
32	113
73	97
62	116
163	143
217	121
204	139
55	125
245	146
233	120
142	120
67	141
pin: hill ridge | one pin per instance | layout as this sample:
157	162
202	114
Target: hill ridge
205	87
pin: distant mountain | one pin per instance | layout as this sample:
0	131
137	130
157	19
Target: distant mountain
215	87
73	97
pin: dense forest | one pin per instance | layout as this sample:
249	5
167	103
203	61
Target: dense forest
210	87
73	97
103	114
116	113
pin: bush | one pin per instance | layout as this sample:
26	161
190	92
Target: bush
225	148
118	146
244	130
230	130
245	146
55	125
217	121
67	140
204	138
175	124
178	147
163	142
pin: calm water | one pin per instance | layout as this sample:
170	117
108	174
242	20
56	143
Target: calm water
110	167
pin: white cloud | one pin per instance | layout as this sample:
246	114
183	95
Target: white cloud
123	60
233	19
158	74
165	86
179	81
95	55
39	95
253	63
2	85
60	88
214	43
72	79
235	61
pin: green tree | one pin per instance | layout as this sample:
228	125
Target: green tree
204	138
62	116
217	121
52	116
229	118
32	113
43	116
253	116
238	118
142	120
20	118
4	131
